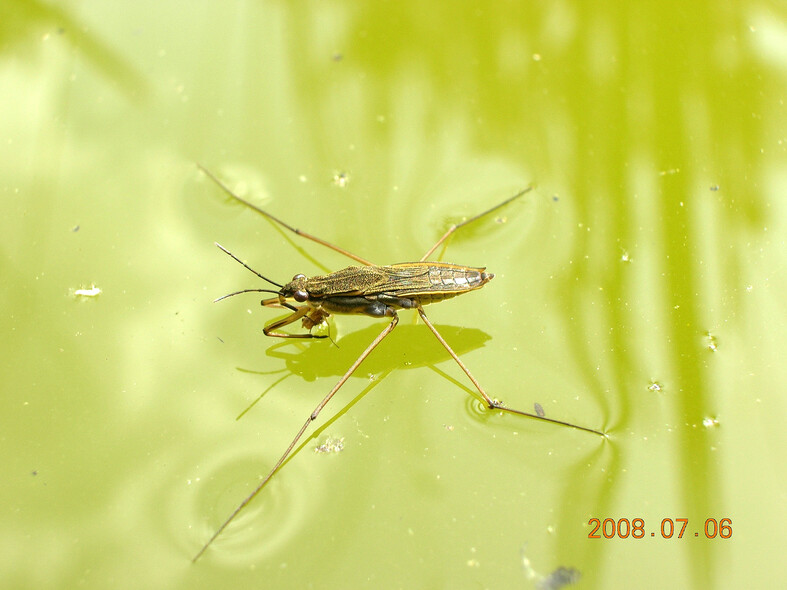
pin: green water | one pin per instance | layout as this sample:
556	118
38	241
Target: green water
637	290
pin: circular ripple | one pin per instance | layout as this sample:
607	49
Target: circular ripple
221	483
476	409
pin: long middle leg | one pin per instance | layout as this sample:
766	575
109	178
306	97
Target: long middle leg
493	403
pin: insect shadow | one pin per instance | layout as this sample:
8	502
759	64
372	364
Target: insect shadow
409	348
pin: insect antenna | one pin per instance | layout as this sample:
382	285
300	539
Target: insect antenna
239	261
245	291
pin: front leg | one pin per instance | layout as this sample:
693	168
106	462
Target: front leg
300	312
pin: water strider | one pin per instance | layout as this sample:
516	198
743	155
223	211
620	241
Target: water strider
376	291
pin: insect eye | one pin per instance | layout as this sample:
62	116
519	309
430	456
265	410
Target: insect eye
300	295
298	277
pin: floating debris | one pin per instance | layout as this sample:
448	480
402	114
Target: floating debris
341	179
711	342
562	576
331	445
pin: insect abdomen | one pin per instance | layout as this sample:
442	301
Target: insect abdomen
439	281
456	278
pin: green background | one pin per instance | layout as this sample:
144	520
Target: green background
637	290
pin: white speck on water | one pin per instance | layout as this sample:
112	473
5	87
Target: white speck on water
710	422
92	292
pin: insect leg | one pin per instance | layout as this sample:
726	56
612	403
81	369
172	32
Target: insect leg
270	329
294	230
493	403
456	226
312	417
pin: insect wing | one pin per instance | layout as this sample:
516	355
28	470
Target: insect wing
412	279
353	280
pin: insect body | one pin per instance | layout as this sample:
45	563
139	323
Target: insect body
426	282
376	291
